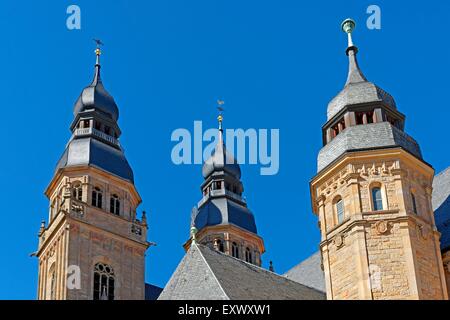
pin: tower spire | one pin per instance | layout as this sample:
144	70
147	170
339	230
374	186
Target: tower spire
354	72
98	53
220	103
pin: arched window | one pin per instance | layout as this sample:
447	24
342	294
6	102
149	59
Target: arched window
414	203
103	282
218	245
97	197
235	250
77	192
339	207
248	255
114	204
53	286
52	282
377	200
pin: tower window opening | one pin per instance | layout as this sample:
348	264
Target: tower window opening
114	205
377	200
218	244
86	124
97	197
218	185
107	130
235	250
414	203
77	192
340	211
370	117
248	255
97	125
104	279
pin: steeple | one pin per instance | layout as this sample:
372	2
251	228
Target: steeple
95	131
364	110
221	218
93	201
354	73
371	180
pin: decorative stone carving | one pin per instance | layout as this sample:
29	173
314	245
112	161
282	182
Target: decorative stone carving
382	227
77	208
339	241
137	230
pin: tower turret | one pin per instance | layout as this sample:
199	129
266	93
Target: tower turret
222	219
372	195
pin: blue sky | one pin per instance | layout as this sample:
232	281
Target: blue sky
275	63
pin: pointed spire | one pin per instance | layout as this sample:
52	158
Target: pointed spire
144	218
354	73
98	53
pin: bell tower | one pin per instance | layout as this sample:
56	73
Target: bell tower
372	195
221	219
93	246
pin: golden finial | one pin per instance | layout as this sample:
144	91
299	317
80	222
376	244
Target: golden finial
220	103
98	51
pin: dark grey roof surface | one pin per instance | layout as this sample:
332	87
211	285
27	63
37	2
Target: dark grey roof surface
218	211
208	274
152	292
441	206
309	273
369	136
221	160
357	89
92	152
96	97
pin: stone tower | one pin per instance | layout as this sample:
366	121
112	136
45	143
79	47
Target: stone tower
94	245
221	220
372	195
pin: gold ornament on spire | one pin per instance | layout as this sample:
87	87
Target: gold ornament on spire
98	51
220	103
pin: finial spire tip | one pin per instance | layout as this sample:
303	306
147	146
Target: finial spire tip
348	26
220	103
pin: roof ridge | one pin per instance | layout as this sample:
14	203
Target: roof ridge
442	172
195	245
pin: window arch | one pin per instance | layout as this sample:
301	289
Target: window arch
235	250
97	197
52	282
248	255
77	192
339	209
104	279
218	244
377	199
114	204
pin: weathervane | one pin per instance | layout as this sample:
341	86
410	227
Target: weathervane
220	103
98	52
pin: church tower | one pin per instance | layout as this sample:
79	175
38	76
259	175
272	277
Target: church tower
372	195
93	246
221	220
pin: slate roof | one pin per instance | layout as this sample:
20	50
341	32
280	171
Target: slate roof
441	206
363	137
309	273
223	211
152	292
206	274
92	152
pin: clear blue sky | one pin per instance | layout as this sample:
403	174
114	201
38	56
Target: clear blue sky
275	63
